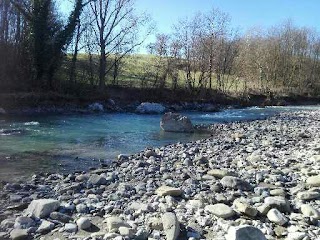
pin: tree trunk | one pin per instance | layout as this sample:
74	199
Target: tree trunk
72	76
102	67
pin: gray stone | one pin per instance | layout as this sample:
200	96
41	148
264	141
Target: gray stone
142	234
19	234
275	216
245	208
84	223
171	226
82	208
219	173
220	210
96	179
308	195
114	222
45	226
148	108
245	232
278	202
314	181
235	183
7	223
309	211
42	208
70	228
166	190
23	223
60	217
174	122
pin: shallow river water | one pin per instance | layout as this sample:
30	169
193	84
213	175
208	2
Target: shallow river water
64	143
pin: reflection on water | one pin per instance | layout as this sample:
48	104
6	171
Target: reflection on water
76	142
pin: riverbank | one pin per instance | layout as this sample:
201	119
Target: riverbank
265	174
117	99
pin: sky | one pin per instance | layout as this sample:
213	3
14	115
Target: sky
244	14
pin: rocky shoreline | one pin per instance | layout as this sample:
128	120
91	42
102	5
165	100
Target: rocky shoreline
250	180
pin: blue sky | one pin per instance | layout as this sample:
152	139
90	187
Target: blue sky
244	14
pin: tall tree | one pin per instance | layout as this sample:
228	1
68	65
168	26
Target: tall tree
116	27
49	38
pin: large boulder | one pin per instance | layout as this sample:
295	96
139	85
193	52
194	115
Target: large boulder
149	108
42	208
174	122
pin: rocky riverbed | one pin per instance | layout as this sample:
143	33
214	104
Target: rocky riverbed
251	180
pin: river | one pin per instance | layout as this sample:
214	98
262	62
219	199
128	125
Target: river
64	143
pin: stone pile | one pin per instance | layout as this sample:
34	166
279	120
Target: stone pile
250	181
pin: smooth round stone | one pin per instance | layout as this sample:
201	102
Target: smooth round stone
308	195
278	192
278	202
275	216
220	210
126	232
19	234
244	208
309	211
83	223
70	228
314	181
166	190
245	232
218	173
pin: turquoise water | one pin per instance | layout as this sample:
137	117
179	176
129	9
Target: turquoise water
64	143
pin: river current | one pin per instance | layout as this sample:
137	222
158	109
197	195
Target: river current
68	142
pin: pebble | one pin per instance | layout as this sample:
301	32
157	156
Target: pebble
275	216
220	210
262	185
83	223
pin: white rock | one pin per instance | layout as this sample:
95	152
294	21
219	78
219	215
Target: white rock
245	208
45	226
166	190
114	222
149	108
171	225
220	210
314	181
70	228
42	208
275	216
219	173
19	234
309	211
83	223
23	223
308	195
126	232
296	236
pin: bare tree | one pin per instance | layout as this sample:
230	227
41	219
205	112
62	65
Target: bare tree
116	24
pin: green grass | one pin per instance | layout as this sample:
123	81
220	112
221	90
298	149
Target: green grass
138	71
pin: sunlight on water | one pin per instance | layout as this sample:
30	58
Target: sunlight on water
74	142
